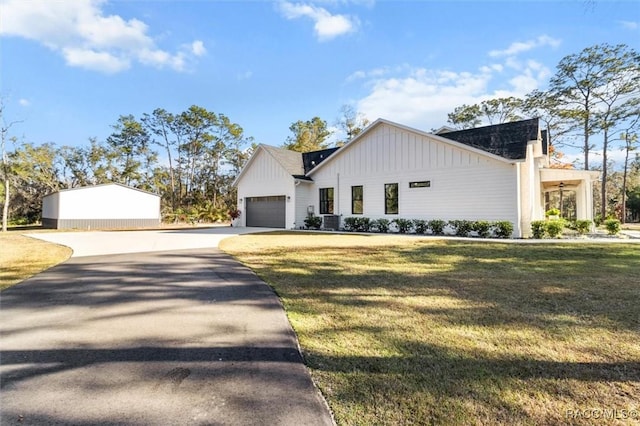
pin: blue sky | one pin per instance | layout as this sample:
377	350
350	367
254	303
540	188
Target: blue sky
71	68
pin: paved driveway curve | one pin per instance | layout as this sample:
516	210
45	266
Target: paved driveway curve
169	337
96	243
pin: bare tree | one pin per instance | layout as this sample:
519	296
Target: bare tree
5	127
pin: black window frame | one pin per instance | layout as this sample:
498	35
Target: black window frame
420	184
391	202
355	198
326	200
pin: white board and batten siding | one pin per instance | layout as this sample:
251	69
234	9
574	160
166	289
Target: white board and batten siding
100	207
265	178
464	184
303	199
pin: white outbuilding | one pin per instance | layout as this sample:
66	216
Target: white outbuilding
105	206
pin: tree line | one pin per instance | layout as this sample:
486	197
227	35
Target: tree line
190	158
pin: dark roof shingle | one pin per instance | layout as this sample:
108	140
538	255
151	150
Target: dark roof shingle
298	164
508	140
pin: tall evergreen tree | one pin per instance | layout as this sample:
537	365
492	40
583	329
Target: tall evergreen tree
310	135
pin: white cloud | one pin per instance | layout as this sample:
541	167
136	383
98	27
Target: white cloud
197	48
86	38
423	97
24	102
326	26
524	46
93	60
629	25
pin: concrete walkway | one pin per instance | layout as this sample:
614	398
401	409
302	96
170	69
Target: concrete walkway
98	243
185	337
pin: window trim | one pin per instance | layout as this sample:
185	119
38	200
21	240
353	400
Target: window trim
326	201
387	199
354	199
420	184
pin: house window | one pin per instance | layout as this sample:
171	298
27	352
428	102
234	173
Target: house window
356	199
421	184
326	200
391	198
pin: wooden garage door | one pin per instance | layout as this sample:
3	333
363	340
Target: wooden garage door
266	212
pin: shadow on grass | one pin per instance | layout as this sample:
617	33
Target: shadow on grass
360	309
505	283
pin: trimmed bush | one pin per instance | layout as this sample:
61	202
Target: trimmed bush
357	224
503	229
404	225
420	226
461	227
612	225
362	224
313	222
349	223
437	226
555	227
583	226
538	228
482	227
381	225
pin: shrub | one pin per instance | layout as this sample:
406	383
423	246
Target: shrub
437	226
420	226
461	227
539	228
503	229
350	223
598	220
555	227
381	225
363	224
553	212
612	225
357	224
404	225
313	222
583	226
482	227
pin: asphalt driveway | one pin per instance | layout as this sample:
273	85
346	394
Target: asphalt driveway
163	337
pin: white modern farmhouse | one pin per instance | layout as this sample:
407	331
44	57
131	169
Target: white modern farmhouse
498	172
104	206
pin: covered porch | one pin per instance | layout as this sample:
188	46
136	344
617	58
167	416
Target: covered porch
566	181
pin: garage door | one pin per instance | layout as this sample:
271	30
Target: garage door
266	212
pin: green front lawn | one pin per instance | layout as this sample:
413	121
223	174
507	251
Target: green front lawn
419	331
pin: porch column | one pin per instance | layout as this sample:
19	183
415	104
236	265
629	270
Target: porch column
584	201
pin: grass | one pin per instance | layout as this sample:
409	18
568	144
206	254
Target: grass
22	257
424	331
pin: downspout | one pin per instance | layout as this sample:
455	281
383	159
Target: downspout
518	200
337	210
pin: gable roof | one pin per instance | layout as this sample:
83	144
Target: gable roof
508	140
291	161
441	138
79	188
297	164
